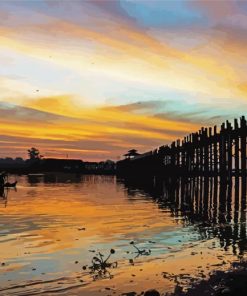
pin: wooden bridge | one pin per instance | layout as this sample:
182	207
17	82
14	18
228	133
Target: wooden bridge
207	152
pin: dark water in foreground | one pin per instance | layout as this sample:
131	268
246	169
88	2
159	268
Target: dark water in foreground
51	227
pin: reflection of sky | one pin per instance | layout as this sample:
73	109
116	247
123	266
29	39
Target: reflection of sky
78	60
41	234
39	228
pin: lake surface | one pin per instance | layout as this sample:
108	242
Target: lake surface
51	227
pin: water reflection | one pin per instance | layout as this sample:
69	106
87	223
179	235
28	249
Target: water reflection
215	207
54	178
3	193
55	224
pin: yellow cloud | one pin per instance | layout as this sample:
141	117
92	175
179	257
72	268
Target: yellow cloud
114	127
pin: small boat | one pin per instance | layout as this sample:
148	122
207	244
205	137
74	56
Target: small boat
8	185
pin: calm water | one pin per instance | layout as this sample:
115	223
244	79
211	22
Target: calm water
51	227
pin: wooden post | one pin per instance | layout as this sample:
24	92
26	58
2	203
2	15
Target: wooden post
210	151
189	153
193	164
178	154
243	145
229	148
183	147
201	149
205	141
236	147
173	157
215	143
222	151
197	153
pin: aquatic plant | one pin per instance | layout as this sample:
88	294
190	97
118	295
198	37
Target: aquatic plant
140	252
98	261
100	265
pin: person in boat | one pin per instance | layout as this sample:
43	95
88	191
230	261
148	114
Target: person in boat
3	178
4	181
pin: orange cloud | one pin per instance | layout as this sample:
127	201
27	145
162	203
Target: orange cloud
68	127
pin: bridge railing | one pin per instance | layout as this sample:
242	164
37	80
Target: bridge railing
206	152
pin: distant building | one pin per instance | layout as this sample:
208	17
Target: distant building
107	166
90	165
61	165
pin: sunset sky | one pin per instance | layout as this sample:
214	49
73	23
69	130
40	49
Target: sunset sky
93	79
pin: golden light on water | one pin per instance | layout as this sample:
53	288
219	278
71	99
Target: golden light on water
51	230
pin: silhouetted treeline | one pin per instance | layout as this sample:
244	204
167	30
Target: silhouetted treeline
38	165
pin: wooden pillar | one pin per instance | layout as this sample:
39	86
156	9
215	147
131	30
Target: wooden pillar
243	145
193	153
215	143
201	150
173	158
178	157
190	154
229	148
222	150
236	147
197	153
210	150
183	152
206	159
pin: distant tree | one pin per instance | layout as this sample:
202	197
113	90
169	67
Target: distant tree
34	153
8	158
19	159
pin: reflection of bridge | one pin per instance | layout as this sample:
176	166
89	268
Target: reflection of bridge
215	208
207	153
